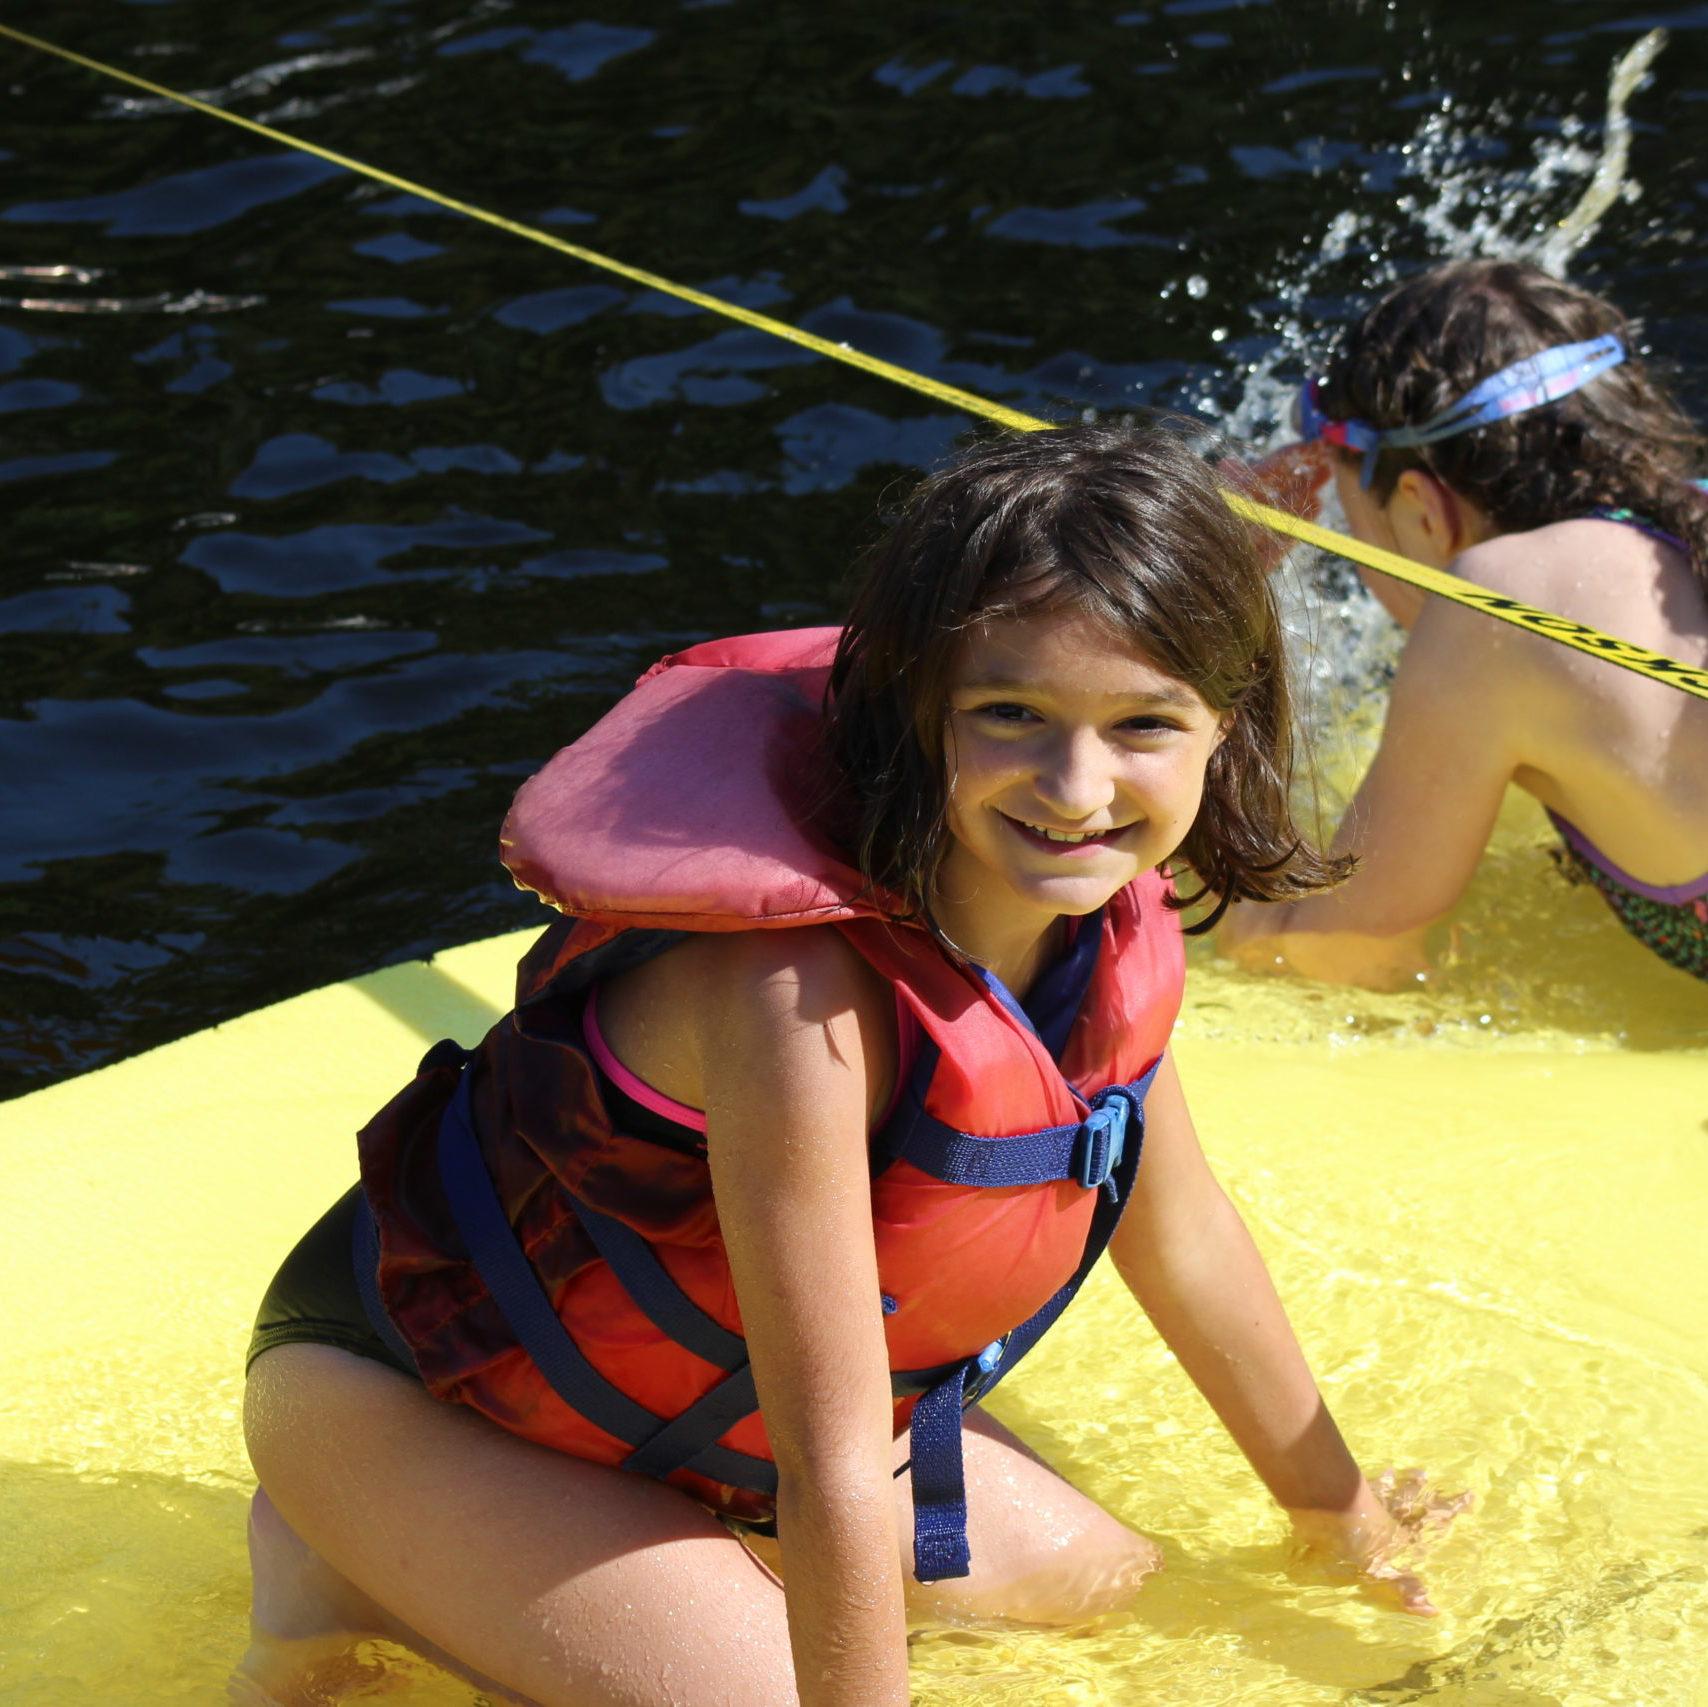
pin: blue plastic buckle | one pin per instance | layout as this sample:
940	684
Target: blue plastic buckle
1102	1140
981	1376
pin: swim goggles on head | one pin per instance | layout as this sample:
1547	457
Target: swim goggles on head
1526	384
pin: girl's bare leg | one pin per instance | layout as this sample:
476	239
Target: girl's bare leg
560	1582
1042	1552
550	1580
306	1624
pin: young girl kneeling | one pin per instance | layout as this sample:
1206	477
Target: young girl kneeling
809	1119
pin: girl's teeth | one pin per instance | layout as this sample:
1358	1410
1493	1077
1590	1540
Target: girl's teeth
1063	836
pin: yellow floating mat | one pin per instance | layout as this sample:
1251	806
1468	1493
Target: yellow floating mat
1494	1252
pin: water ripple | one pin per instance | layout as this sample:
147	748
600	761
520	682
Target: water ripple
186	202
337	557
575	51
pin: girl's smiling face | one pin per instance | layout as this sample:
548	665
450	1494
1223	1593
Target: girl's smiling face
1073	766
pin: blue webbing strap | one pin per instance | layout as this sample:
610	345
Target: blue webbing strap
365	1258
1087	1152
962	1158
1053	1003
1048	1013
635	1264
939	1481
936	1470
1104	1219
890	1142
516	1290
638	1271
686	1439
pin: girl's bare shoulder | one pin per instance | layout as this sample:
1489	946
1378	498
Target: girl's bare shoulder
716	998
804	974
1608	575
1529	564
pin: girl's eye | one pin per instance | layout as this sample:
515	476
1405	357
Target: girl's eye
1005	711
1150	725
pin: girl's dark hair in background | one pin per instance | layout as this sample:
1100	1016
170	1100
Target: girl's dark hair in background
1619	442
1128	526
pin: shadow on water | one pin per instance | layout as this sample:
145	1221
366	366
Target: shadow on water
1485	1669
1505	1664
97	1570
431	1002
1323	1653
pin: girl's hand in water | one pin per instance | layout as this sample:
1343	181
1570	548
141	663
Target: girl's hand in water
1390	1517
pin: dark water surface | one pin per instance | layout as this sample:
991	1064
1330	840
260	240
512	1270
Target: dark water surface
332	514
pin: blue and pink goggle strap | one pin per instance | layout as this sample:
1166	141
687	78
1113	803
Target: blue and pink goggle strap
1527	384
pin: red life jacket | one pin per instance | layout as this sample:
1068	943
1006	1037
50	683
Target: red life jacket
568	1279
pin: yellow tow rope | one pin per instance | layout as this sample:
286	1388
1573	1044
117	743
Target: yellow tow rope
1655	665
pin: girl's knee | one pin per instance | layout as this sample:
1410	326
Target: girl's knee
1070	1576
1094	1574
1128	1559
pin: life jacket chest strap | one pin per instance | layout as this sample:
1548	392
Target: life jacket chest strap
1087	1152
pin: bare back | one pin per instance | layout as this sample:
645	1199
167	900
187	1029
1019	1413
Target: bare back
1477	705
1623	758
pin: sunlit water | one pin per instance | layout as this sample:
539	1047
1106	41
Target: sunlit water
337	516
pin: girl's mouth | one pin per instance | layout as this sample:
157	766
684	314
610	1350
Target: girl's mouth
1066	841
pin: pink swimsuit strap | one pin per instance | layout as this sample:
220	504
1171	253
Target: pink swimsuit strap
638	1090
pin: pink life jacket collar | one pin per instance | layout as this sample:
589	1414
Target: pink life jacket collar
586	834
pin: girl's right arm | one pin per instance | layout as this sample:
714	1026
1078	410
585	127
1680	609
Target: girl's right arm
795	1040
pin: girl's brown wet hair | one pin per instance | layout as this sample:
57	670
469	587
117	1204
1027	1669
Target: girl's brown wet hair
1619	442
1128	526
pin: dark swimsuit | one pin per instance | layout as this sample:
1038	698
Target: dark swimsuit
1670	919
314	1300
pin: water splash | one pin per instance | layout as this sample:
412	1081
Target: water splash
1608	183
1466	202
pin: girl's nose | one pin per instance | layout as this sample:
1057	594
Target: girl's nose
1076	780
